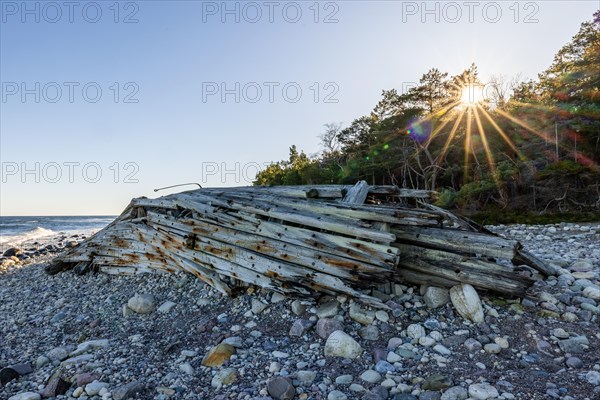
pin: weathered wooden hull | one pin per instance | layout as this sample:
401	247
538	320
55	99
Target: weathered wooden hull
301	241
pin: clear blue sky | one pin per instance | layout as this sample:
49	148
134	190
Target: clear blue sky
178	53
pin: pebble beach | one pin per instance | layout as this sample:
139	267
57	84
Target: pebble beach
161	336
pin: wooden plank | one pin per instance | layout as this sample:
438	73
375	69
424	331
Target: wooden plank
357	194
402	192
456	221
416	194
162	202
409	276
525	257
476	279
300	192
459	241
458	261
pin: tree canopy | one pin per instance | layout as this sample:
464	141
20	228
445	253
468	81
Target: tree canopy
532	144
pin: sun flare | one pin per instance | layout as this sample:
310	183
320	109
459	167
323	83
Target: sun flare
471	95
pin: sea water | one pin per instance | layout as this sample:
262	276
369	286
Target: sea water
19	230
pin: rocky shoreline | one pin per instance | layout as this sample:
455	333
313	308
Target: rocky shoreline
172	337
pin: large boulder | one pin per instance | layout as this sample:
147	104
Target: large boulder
224	377
436	297
127	390
218	355
14	372
592	292
365	317
142	303
56	385
12	252
281	388
483	391
340	344
26	396
466	301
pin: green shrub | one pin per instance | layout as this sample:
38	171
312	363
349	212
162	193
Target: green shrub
561	169
447	198
475	191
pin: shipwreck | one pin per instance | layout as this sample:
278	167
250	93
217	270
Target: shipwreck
305	241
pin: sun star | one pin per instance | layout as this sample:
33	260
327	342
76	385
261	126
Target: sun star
471	95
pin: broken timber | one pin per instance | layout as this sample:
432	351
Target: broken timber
305	240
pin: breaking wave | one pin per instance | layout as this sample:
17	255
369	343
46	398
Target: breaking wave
32	234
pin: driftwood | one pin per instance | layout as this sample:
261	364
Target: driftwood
305	240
